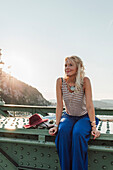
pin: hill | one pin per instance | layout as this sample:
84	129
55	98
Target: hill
17	92
104	104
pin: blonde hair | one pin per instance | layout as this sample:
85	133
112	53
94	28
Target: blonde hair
80	72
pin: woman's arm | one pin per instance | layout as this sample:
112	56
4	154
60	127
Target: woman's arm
90	106
89	102
59	107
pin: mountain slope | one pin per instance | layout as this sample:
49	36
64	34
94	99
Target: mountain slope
17	92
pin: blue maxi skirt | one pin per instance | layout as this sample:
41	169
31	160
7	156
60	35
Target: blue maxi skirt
72	141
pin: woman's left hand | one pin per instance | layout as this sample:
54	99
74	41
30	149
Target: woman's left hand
95	133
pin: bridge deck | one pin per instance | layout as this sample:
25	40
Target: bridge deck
33	149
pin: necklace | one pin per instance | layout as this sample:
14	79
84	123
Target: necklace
72	88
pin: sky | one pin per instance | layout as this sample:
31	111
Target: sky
37	35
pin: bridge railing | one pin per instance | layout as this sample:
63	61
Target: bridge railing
12	110
25	149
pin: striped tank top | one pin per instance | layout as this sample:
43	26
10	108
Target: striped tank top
75	103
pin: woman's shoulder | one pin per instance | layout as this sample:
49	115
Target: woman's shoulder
86	81
59	81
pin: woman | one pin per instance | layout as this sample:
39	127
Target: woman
78	121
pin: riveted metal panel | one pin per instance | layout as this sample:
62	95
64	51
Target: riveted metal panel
6	163
100	160
32	156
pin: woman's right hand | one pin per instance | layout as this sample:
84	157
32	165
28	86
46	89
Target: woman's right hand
95	133
53	131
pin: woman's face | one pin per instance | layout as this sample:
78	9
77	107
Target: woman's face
70	68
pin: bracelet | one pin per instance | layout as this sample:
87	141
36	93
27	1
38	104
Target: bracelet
55	125
93	122
93	126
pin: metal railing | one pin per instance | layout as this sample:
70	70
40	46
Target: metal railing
41	145
11	110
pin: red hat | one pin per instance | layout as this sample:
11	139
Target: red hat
35	120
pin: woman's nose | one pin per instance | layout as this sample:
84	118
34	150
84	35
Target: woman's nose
67	66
